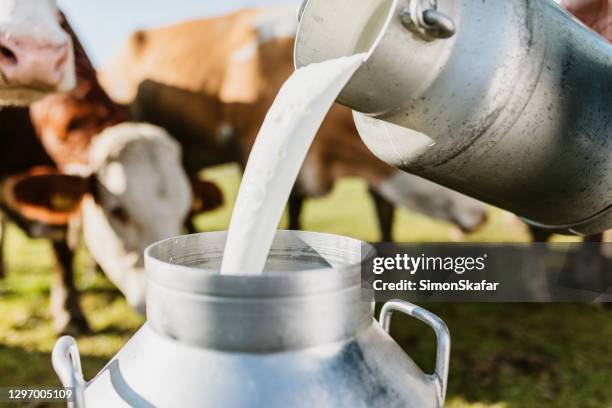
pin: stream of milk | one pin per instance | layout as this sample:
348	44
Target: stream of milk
277	157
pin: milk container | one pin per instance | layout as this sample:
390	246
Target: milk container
505	101
300	335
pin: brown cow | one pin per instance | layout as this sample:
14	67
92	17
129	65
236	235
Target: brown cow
33	62
128	189
19	151
210	83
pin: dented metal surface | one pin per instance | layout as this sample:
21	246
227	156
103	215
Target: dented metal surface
515	105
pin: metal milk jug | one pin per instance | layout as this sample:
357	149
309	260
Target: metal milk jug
505	101
300	335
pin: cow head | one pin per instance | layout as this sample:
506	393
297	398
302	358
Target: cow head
136	195
36	55
141	195
433	200
465	212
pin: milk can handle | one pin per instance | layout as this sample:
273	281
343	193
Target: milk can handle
424	14
440	376
66	362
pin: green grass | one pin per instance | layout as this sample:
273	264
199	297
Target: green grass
503	355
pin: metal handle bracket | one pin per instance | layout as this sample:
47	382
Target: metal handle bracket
424	16
440	375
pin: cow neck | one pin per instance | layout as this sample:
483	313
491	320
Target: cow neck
87	75
20	148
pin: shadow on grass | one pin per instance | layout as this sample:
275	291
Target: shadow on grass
113	330
520	355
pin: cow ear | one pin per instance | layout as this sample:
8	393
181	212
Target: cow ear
45	195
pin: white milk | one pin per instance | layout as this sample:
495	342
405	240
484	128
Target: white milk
276	159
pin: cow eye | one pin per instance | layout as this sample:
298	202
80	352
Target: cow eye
120	214
75	124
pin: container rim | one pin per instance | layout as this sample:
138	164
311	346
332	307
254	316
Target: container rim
163	271
303	10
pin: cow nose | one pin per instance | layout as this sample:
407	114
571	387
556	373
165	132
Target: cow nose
33	63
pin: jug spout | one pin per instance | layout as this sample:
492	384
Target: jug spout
381	29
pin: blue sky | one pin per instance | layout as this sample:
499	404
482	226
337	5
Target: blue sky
103	25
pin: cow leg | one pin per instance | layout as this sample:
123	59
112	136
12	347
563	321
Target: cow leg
594	238
68	318
590	266
607	249
2	233
385	212
296	203
538	234
605	300
190	225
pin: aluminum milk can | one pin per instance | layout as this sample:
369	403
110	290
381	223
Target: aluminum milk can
300	335
506	101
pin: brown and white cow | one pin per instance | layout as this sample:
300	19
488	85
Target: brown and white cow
126	179
19	151
210	83
36	59
36	55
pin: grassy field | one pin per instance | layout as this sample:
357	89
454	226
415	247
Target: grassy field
503	355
